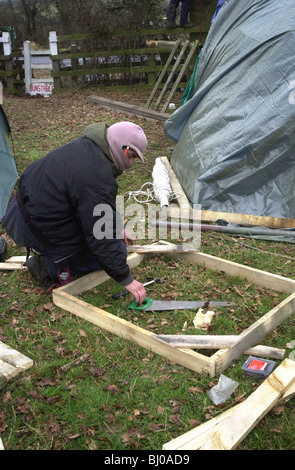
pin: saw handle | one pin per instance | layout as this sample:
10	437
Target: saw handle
120	294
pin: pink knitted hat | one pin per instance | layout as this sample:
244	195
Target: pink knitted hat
125	134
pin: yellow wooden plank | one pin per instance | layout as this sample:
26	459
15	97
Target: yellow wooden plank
255	332
7	370
14	358
120	327
213	216
197	437
232	432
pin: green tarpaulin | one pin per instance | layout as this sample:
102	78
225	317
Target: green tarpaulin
8	171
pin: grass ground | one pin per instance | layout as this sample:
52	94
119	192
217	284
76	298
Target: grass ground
123	397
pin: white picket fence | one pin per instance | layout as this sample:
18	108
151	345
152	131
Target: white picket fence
6	40
34	60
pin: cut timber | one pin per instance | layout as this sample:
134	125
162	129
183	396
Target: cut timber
12	362
16	259
128	108
161	76
174	68
133	333
253	334
13	263
262	278
64	297
180	75
1	444
231	433
213	216
198	436
11	266
219	342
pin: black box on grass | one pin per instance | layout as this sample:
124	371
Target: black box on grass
256	367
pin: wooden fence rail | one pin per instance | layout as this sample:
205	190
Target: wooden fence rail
122	58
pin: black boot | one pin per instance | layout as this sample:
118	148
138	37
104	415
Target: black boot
36	266
3	249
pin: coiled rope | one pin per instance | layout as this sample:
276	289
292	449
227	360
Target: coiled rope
159	190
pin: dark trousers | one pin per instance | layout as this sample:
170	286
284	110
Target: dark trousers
172	10
16	227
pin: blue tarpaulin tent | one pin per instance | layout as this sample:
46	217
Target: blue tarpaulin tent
235	135
8	171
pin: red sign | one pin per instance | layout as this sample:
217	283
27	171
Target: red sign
41	88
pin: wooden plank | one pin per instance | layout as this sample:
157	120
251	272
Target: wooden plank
7	370
170	58
156	249
180	75
253	334
16	259
219	342
95	278
14	358
125	329
195	438
213	216
173	71
12	363
253	409
11	266
256	276
128	108
236	218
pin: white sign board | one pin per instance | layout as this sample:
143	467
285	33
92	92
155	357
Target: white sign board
41	88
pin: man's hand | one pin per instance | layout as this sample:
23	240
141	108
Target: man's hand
137	290
127	237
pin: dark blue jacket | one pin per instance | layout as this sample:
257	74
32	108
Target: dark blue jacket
60	192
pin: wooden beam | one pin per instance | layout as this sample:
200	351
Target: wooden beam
180	75
197	437
219	342
95	278
128	108
213	216
256	276
161	76
253	334
64	297
11	266
12	363
125	329
253	409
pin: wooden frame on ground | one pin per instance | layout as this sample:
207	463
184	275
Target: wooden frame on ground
65	297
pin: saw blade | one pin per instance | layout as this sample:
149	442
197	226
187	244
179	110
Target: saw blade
156	305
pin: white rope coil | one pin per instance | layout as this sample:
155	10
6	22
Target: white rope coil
159	190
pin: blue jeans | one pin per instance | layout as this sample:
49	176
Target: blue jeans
172	10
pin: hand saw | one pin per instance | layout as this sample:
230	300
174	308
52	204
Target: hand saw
156	305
